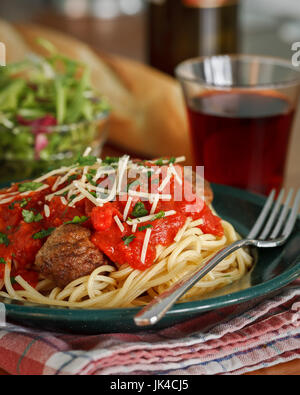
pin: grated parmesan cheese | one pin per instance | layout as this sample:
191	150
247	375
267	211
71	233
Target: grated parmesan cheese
149	218
49	197
75	200
56	184
86	194
127	207
165	182
80	189
66	176
63	200
87	151
154	205
45	186
119	223
7	200
145	244
150	195
47	210
52	173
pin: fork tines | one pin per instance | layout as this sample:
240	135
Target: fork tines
276	219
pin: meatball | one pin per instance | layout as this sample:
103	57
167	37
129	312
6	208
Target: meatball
68	254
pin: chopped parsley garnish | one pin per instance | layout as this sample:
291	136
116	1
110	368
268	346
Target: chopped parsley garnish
93	193
109	160
72	178
128	239
88	160
159	215
93	172
2	260
29	186
77	220
159	162
22	203
89	177
139	210
4	239
30	217
43	233
144	227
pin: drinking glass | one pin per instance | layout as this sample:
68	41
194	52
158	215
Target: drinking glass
241	110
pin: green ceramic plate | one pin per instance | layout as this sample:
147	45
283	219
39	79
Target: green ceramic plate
274	269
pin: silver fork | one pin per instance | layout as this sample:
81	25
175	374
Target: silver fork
272	229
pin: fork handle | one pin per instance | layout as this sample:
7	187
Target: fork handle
158	307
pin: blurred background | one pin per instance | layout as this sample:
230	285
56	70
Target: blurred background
123	27
266	26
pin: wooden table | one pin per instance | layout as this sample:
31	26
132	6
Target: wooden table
105	36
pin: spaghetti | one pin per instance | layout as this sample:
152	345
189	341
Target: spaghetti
181	241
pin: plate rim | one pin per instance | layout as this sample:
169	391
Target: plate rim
202	305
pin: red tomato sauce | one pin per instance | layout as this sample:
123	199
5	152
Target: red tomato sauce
112	242
19	244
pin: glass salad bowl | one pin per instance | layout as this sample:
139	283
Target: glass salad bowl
25	153
49	114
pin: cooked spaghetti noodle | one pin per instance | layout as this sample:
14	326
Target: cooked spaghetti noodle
123	285
107	287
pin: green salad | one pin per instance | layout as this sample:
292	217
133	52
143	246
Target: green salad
49	113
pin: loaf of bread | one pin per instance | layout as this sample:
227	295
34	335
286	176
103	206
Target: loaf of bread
16	47
148	117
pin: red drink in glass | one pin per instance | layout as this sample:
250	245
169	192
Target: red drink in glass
241	137
241	110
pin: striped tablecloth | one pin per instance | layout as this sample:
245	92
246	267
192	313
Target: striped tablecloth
265	335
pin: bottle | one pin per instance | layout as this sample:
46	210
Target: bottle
181	29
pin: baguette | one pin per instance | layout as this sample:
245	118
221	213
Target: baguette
16	47
148	117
